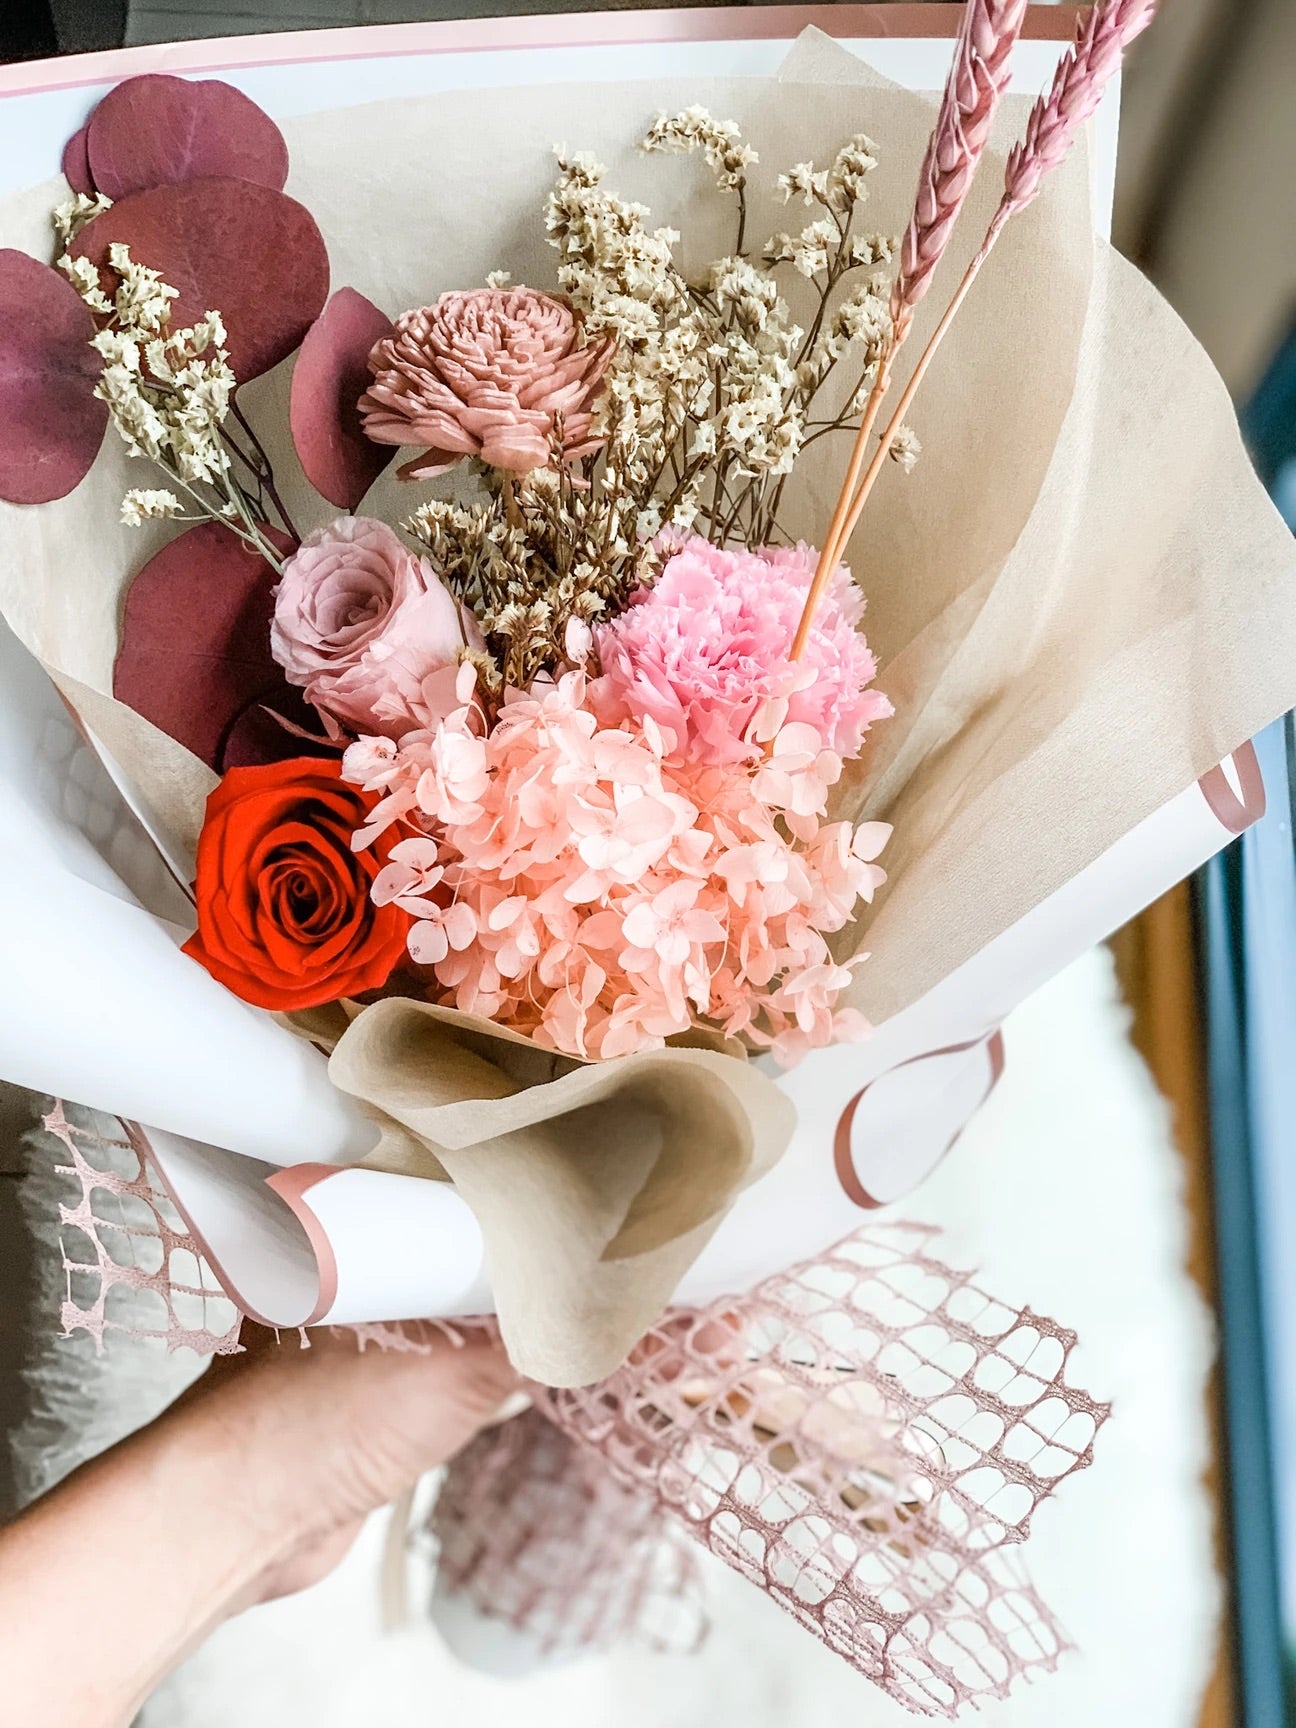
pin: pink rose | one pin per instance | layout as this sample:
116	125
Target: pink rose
487	374
367	630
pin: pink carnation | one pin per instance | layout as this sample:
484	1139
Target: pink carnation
367	630
706	649
583	885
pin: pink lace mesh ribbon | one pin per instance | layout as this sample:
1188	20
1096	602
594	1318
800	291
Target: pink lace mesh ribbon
865	1437
538	1533
139	1244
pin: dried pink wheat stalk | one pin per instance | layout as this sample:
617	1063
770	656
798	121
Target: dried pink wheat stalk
976	82
1083	73
977	79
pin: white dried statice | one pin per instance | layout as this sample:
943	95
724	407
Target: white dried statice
720	141
823	247
140	506
70	217
867	251
708	400
84	277
805	183
143	300
121	386
905	449
854	162
710	396
169	391
756	422
169	394
752	295
621	274
838	188
814	248
860	322
570	556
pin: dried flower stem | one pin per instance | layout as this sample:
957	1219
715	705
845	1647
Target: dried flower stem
264	469
910	390
977	79
1078	84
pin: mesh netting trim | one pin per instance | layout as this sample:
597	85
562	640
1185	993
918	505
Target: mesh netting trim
139	1243
537	1533
865	1437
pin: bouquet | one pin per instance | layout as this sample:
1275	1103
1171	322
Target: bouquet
498	688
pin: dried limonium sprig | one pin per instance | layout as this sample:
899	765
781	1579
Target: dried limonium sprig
170	394
70	217
720	141
712	393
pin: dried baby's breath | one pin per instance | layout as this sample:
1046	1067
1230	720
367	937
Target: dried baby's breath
905	449
714	389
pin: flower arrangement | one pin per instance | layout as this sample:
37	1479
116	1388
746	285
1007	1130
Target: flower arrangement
507	704
588	709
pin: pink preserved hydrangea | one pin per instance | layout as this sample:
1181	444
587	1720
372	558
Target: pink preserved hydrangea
584	884
705	650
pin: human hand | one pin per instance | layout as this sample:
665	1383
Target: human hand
252	1485
331	1432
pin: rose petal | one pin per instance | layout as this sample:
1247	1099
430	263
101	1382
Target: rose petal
157	130
195	641
245	251
329	378
51	423
76	163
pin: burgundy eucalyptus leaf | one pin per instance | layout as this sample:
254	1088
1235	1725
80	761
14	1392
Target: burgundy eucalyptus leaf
245	251
277	726
328	380
195	638
51	422
157	130
76	163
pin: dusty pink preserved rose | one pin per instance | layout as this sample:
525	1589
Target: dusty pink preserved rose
488	374
367	630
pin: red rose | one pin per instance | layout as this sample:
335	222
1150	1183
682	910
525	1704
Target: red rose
284	914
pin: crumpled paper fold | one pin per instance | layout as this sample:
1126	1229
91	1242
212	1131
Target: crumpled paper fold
596	1184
